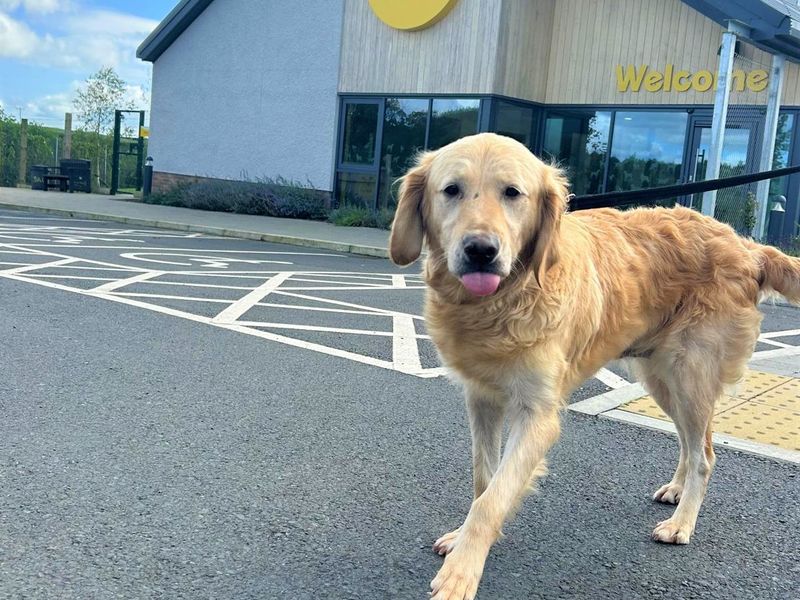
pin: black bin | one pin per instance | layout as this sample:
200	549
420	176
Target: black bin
79	172
37	176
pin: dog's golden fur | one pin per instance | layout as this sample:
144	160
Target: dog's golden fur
672	289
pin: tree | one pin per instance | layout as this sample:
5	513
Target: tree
96	101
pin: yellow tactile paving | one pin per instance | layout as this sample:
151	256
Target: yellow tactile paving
765	408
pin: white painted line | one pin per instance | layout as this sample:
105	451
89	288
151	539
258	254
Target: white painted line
777	353
72	258
611	379
321	309
405	352
774	343
329	282
774	334
56	263
609	400
76	277
423	373
322	329
167	297
386	312
349	288
202	285
241	306
720	439
114	285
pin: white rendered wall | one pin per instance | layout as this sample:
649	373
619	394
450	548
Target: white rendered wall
249	90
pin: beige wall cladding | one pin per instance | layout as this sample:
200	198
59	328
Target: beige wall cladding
592	37
457	55
524	48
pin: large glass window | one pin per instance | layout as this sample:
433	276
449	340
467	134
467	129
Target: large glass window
360	128
579	142
515	121
646	149
452	118
404	123
780	156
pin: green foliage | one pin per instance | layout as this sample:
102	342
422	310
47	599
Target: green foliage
278	197
748	218
358	216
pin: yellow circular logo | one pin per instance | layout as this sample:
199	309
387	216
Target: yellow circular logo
411	15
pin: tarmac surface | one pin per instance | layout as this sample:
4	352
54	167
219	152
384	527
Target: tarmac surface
187	416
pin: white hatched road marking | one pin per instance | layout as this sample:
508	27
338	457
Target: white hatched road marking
215	265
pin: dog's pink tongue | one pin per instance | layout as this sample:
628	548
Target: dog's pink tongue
481	284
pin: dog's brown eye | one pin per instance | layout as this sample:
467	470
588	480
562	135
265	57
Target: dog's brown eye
512	192
452	190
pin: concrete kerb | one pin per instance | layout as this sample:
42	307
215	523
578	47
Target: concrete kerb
372	251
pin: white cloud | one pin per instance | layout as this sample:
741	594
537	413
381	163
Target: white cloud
16	39
36	6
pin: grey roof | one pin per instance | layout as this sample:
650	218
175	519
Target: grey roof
774	24
174	24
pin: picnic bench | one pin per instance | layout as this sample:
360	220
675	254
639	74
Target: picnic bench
73	175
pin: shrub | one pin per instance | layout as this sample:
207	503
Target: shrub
358	216
276	197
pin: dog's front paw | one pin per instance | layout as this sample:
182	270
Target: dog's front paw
445	543
669	493
672	532
458	578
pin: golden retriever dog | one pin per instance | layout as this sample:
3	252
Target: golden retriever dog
525	301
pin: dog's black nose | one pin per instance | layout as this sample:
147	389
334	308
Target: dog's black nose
480	250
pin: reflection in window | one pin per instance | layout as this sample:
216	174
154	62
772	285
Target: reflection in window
646	150
780	156
451	119
356	189
514	121
360	127
404	123
579	142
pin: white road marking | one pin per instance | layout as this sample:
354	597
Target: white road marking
778	352
322	329
405	351
241	306
212	262
611	379
349	304
23	269
119	283
774	334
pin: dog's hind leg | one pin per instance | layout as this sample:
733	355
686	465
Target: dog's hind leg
486	411
669	493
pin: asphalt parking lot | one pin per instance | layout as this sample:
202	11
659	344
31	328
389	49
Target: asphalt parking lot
195	417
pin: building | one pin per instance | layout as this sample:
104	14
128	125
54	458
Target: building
343	93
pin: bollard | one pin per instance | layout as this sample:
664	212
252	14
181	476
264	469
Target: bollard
776	216
147	185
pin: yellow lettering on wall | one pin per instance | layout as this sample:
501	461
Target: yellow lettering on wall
682	81
630	78
757	80
654	81
739	78
702	81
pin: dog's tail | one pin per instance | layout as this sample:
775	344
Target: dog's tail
779	273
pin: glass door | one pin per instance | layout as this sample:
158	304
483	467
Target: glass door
740	150
359	151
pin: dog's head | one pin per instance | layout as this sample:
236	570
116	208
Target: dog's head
487	207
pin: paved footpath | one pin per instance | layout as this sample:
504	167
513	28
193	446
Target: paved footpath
192	416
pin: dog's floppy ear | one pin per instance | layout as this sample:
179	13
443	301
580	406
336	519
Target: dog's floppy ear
553	204
405	241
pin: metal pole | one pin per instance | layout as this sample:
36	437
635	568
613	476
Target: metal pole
115	153
67	150
139	152
720	115
23	151
768	144
55	162
147	187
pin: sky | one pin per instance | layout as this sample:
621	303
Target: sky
48	48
